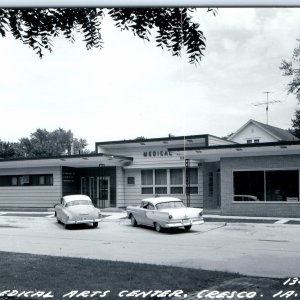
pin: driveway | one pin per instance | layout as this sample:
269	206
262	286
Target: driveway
271	250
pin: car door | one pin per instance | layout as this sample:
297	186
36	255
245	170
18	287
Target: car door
150	214
141	213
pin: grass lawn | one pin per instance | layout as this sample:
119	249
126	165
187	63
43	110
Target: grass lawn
61	275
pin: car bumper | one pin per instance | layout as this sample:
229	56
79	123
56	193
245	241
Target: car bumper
70	222
181	223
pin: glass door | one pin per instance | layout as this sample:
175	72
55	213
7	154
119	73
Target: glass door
103	192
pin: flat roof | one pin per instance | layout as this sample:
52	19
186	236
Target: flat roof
214	153
252	145
189	139
79	161
142	141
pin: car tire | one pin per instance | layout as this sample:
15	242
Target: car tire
188	227
133	221
157	226
58	221
95	224
66	226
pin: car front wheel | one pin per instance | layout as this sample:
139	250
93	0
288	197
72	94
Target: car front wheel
157	227
133	221
95	224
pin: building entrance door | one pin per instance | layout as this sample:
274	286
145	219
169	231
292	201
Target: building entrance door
103	192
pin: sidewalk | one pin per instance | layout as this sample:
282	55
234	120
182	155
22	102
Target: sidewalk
114	214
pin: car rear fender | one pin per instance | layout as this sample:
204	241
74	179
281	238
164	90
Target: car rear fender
157	216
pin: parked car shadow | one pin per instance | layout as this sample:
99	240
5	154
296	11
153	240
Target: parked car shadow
166	230
76	226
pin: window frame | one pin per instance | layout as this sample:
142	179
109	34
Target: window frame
168	186
265	170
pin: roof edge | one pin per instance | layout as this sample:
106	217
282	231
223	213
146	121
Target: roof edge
67	156
269	144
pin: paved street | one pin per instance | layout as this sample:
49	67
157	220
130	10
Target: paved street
271	250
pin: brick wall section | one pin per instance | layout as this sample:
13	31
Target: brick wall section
262	209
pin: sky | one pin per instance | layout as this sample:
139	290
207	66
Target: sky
132	88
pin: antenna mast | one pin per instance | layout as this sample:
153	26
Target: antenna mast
267	105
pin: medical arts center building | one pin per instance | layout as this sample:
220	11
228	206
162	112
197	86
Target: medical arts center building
253	172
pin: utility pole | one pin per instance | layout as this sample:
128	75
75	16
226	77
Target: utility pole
267	104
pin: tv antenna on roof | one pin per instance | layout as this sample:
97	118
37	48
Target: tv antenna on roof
267	105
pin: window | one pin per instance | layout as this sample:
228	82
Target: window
193	181
161	181
150	206
282	185
147	181
250	141
160	177
277	185
41	180
26	180
147	177
168	181
130	180
249	183
176	181
14	181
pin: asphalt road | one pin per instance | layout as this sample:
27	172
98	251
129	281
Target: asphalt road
271	250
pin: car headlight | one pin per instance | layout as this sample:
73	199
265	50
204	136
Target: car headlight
170	217
99	214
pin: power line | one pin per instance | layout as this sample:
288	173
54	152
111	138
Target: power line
267	104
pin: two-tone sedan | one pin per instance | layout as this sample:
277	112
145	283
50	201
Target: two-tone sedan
77	209
164	212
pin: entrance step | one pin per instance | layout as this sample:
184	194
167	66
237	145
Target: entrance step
211	211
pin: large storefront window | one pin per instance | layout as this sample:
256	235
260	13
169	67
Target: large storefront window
168	181
277	185
282	186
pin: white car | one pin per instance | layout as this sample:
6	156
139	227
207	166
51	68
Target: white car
77	209
164	212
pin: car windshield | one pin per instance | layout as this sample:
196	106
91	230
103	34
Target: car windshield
78	202
171	204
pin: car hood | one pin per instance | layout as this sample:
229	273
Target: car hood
182	213
87	210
